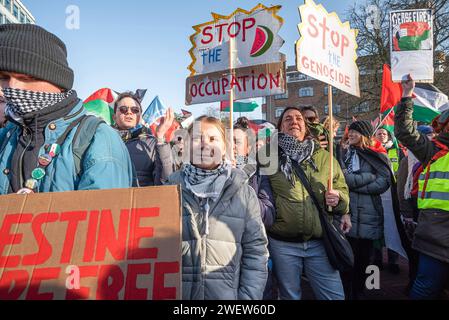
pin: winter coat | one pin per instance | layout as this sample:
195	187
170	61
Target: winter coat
366	186
433	224
106	163
152	161
261	185
230	262
297	218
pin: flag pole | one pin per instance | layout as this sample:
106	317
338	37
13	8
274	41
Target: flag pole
231	93
383	120
331	140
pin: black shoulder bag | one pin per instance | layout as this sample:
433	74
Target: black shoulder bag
338	248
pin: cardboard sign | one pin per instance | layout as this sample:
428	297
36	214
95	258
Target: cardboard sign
255	36
256	81
327	48
104	245
411	45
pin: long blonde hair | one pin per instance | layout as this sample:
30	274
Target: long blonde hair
366	142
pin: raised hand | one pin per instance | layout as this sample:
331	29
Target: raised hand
165	124
408	86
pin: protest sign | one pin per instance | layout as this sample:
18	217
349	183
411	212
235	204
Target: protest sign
411	45
255	36
233	53
327	48
104	245
255	81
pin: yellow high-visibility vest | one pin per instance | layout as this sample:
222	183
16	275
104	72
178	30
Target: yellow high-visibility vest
434	185
393	155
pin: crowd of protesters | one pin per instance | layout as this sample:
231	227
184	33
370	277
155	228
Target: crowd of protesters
248	231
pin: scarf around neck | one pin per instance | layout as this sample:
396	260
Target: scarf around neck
352	160
294	150
206	185
21	102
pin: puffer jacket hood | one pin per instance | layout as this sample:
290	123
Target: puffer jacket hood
230	261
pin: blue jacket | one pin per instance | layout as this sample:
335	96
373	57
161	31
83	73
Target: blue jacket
106	163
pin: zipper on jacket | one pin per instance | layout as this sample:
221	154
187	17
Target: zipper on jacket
26	134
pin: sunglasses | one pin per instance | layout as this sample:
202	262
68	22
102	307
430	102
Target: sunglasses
124	109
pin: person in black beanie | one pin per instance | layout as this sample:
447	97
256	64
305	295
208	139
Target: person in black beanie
38	148
368	176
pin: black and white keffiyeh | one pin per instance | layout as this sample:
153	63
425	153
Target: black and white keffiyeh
294	150
206	185
21	102
352	161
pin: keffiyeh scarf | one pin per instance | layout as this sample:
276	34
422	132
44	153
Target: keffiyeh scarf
21	102
294	150
206	185
352	161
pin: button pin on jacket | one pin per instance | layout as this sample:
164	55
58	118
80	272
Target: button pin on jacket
38	173
6	171
52	126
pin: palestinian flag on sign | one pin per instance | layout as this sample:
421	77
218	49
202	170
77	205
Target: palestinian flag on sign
409	36
101	104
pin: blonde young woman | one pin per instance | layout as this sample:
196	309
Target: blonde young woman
224	241
368	176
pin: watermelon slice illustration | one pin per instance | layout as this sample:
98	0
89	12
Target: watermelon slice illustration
262	42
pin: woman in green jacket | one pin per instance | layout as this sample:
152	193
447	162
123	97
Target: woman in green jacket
295	239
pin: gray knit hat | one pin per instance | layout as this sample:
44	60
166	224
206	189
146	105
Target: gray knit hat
31	50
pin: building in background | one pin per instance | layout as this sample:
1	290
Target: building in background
303	91
13	11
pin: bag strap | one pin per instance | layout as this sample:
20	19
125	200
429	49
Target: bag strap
82	139
306	183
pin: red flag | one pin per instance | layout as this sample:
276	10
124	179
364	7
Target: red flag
391	92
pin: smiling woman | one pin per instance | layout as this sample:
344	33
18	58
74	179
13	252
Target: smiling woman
224	241
295	239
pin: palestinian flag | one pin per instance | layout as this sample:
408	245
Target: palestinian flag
101	104
153	115
428	100
239	106
409	36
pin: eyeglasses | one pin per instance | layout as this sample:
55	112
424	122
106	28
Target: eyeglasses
124	109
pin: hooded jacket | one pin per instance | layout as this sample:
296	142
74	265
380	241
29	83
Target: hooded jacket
106	163
230	262
366	185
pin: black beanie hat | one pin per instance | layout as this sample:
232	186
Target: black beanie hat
31	50
365	128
